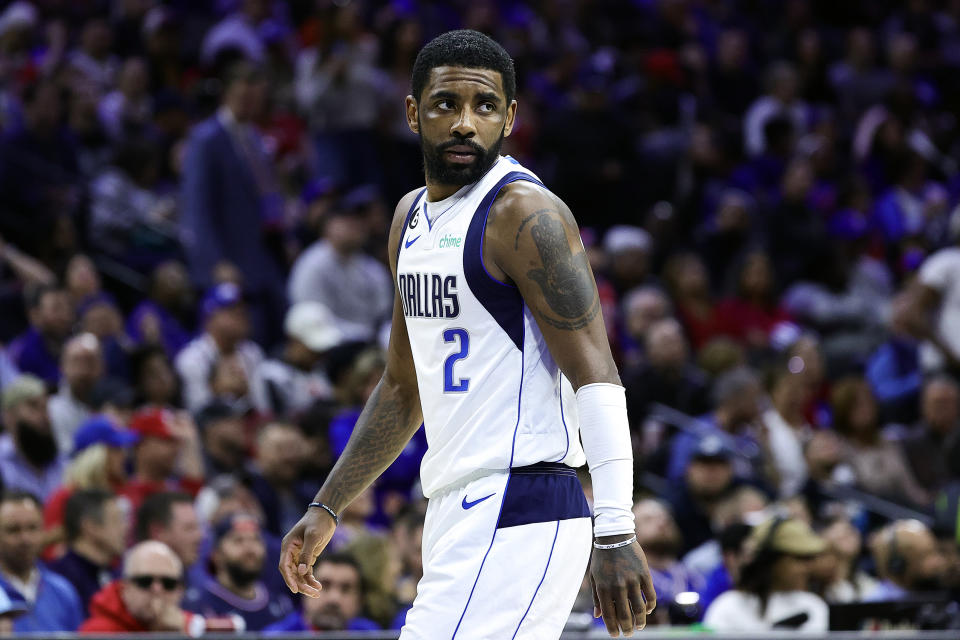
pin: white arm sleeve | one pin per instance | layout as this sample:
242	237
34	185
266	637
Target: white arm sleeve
605	434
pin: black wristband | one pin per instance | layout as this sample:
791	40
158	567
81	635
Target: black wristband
320	505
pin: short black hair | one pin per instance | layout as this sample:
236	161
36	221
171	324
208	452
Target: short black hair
340	558
463	48
157	509
19	495
86	504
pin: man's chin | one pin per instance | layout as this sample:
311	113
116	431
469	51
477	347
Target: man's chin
328	621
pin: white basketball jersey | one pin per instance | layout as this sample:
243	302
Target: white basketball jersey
493	397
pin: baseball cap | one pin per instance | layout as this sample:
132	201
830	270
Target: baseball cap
221	296
792	536
11	602
711	447
26	387
234	522
622	237
154	423
314	325
99	429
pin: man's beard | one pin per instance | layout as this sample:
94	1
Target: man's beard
330	618
38	446
242	576
441	171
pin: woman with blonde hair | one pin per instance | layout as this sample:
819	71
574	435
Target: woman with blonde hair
98	462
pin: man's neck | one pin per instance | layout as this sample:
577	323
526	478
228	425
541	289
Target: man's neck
247	592
23	578
92	552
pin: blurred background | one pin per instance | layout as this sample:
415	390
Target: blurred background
194	297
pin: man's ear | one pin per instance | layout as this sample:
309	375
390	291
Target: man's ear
413	114
511	118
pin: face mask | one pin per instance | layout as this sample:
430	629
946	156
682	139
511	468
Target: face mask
38	446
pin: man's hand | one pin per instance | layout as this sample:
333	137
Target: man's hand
622	587
300	549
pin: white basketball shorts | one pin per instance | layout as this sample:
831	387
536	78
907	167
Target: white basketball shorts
503	557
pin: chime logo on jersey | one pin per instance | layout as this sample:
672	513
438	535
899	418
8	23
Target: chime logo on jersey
428	295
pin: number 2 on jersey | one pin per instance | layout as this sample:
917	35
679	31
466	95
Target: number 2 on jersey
462	338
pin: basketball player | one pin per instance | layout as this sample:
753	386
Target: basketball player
496	309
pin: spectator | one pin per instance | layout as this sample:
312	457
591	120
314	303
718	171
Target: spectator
234	586
629	249
95	527
93	61
40	185
224	432
780	100
908	561
98	462
158	320
737	396
726	574
54	603
666	376
29	460
170	517
225	338
154	380
83	367
752	313
658	534
340	605
642	308
686	276
280	461
336	272
51	320
787	428
880	466
228	197
407	536
167	457
932	448
100	316
935	310
893	369
126	111
296	380
707	478
12	606
147	598
845	580
772	590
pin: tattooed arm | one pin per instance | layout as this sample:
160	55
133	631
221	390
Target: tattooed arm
390	418
532	240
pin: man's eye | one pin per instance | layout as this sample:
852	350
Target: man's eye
487	107
444	104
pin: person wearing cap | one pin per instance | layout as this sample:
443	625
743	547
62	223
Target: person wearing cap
234	584
96	526
167	456
83	368
12	606
29	459
296	379
225	337
772	590
98	461
336	272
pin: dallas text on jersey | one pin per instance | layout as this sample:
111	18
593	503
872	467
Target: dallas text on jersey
429	295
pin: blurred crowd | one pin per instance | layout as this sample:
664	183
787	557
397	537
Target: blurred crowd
194	203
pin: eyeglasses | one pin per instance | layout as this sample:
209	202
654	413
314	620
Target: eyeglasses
146	581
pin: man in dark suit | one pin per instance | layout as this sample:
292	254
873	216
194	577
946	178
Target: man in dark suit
230	200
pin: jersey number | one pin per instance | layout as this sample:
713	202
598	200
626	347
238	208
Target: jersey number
463	338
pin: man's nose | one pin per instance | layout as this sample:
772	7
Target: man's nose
464	126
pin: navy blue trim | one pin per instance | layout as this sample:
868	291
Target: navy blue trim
501	300
406	221
539	584
503	498
543	492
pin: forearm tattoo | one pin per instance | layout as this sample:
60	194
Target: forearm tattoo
382	431
564	277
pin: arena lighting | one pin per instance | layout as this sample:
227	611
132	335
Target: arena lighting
687	598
